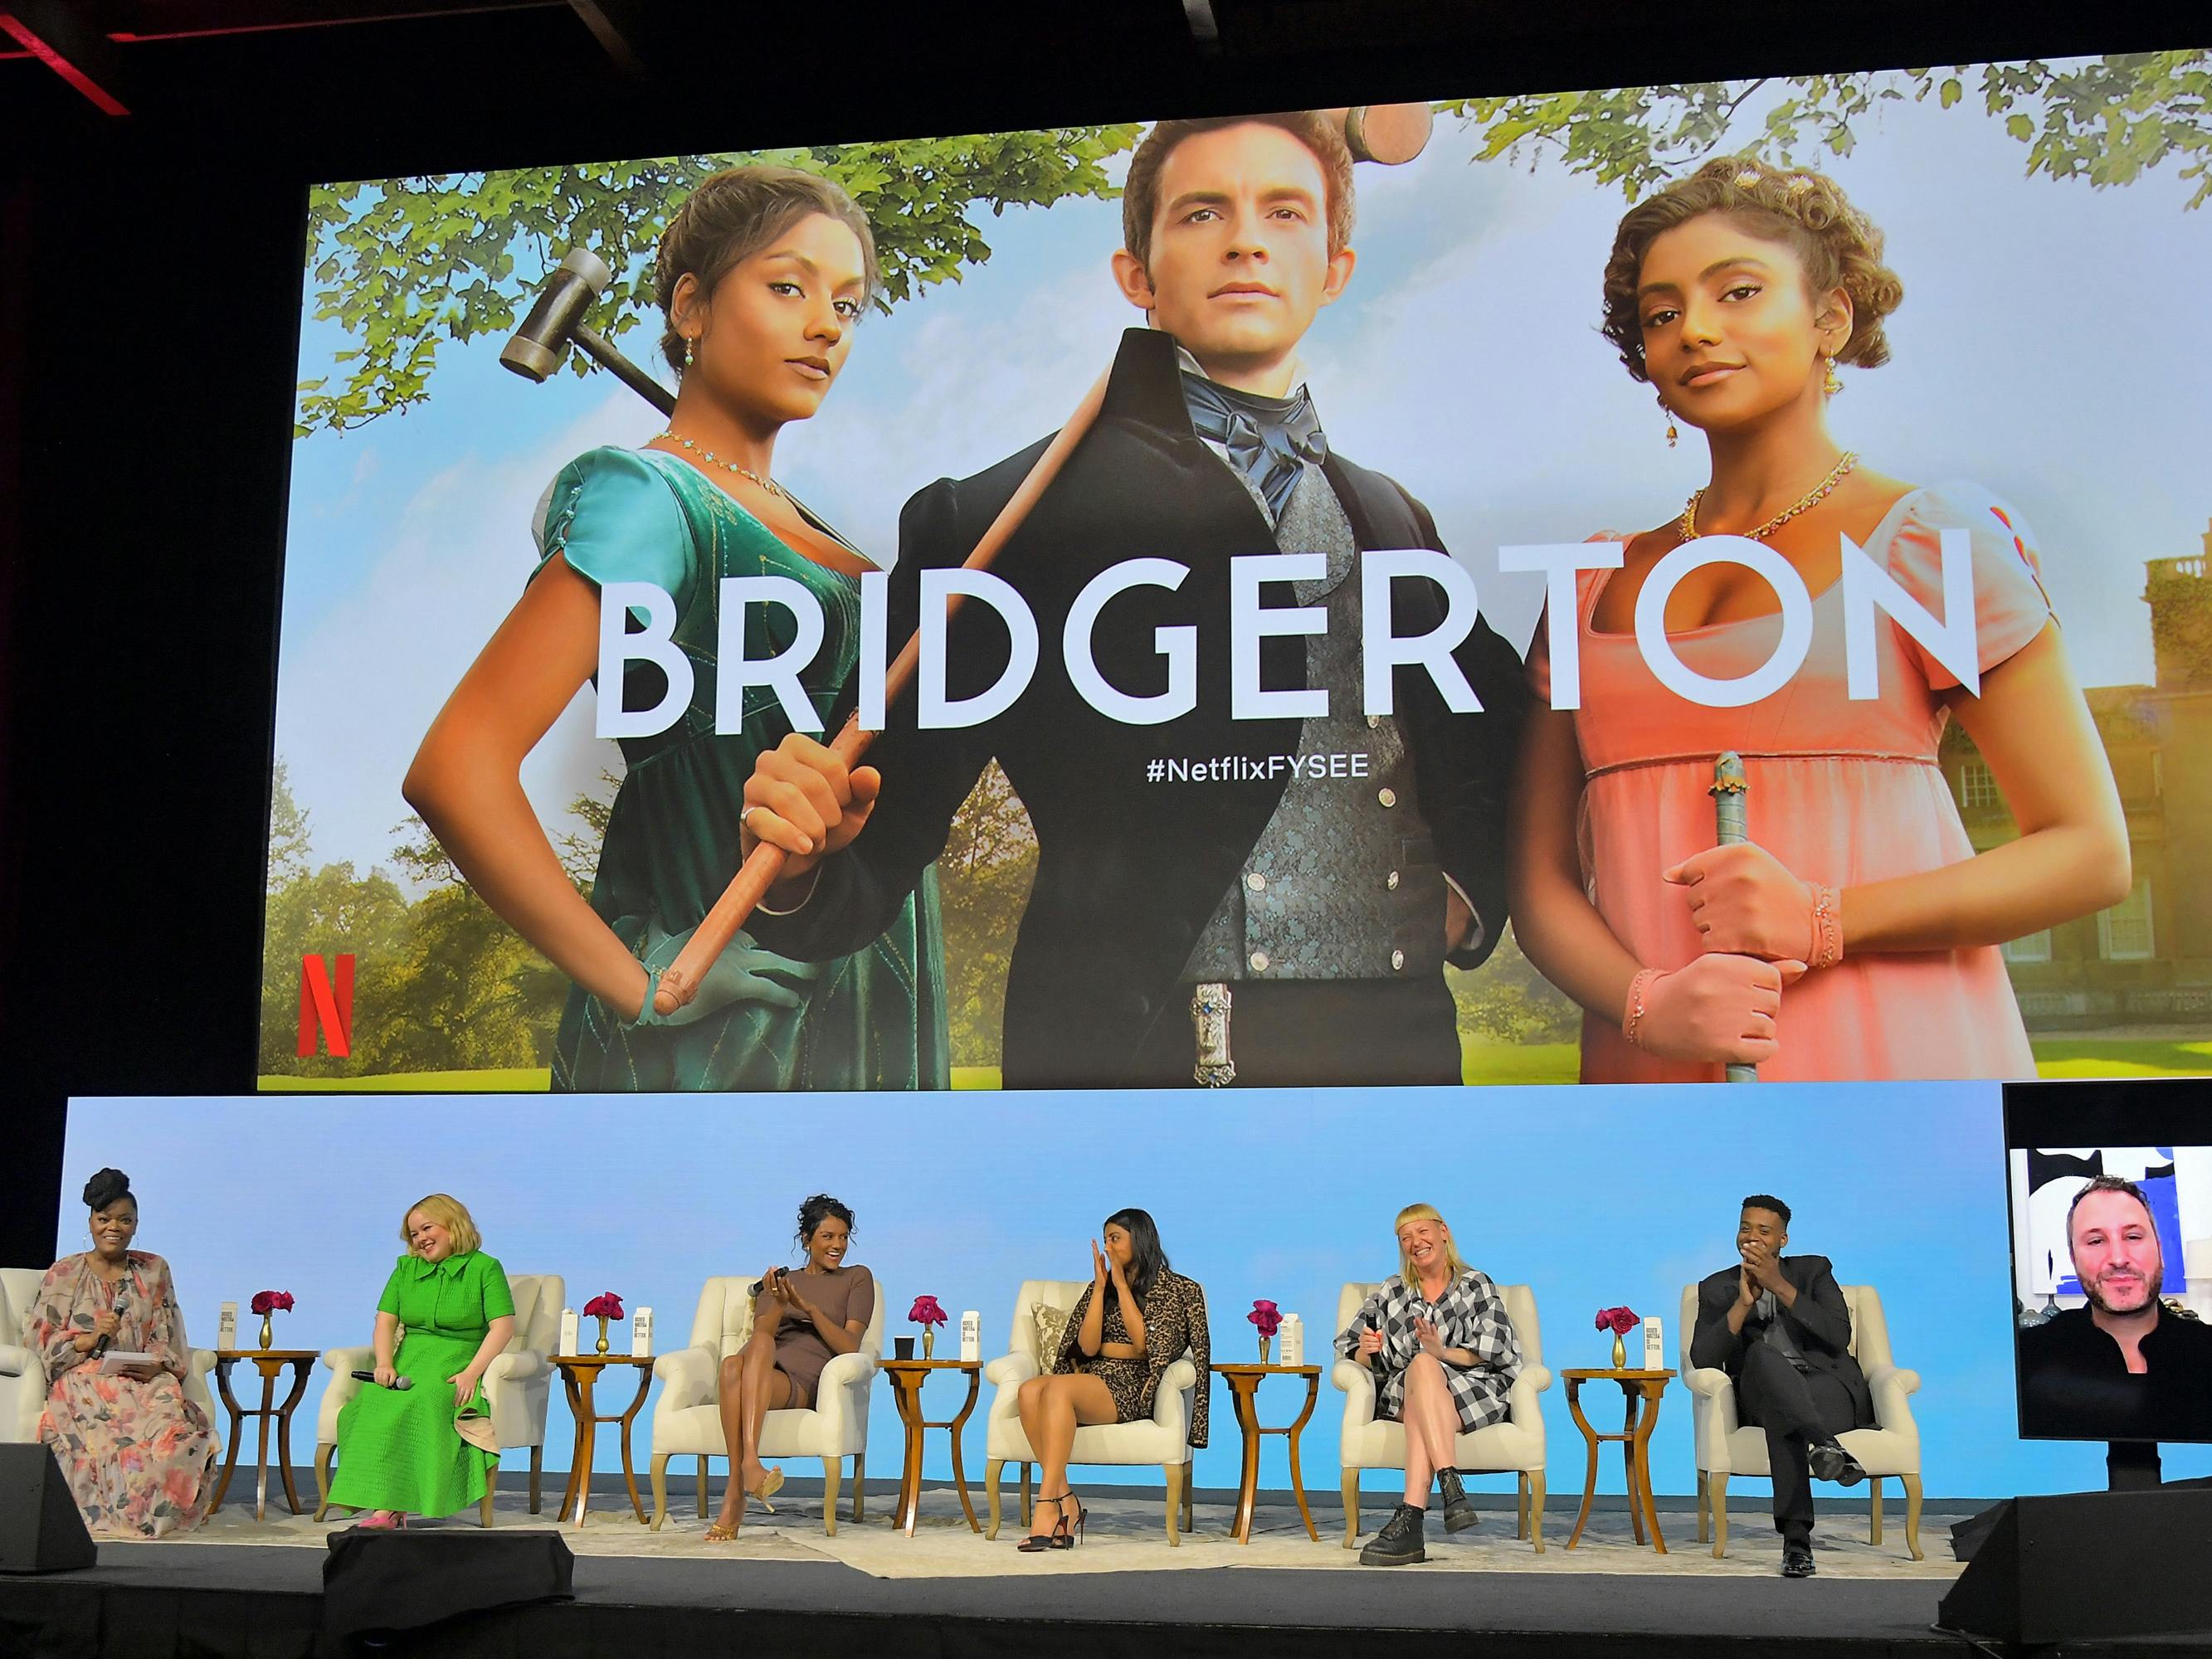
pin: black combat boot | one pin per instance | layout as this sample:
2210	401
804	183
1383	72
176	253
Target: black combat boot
1459	1510
1399	1543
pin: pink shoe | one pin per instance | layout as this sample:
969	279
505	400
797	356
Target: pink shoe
382	1521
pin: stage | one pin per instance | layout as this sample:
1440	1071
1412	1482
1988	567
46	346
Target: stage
784	1588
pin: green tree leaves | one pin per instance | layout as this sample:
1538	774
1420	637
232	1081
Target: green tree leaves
405	265
2108	120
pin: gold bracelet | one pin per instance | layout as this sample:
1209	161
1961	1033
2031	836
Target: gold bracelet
1634	1015
1828	947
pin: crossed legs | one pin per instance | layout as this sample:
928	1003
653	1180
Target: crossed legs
751	1388
1052	1409
1432	1423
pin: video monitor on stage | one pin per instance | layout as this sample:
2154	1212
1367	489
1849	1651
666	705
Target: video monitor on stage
1386	670
2111	1188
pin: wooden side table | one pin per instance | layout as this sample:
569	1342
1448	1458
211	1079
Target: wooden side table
270	1362
578	1373
1244	1384
906	1377
1641	1390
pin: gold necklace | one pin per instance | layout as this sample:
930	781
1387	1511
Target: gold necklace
768	484
1688	528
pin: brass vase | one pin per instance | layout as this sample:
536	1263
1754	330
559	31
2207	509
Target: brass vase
1619	1354
268	1331
602	1347
928	1340
1266	1343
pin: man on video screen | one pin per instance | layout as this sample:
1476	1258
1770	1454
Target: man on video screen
2123	1367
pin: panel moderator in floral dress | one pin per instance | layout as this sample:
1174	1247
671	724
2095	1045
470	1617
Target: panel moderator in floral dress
139	1457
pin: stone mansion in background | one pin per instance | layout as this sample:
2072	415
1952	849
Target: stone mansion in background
2146	961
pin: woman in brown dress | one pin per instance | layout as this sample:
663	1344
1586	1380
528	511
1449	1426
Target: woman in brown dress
800	1320
1134	1321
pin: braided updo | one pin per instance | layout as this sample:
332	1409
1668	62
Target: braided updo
1838	246
106	1188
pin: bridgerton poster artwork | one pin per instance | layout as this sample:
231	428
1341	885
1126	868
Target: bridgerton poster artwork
1635	585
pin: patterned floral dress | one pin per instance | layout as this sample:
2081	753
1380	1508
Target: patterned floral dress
1175	1324
139	1457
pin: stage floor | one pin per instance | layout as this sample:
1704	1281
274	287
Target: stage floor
786	1589
1128	1533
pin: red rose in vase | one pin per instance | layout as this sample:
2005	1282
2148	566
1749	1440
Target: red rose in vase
606	1305
926	1311
1264	1315
265	1303
1619	1320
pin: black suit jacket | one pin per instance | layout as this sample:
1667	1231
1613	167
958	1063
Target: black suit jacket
1129	871
1820	1324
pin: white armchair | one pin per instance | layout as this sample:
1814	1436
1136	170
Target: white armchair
517	1385
1725	1447
688	1420
1514	1446
23	1375
1163	1440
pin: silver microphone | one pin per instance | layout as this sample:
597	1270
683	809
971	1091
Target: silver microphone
402	1383
101	1347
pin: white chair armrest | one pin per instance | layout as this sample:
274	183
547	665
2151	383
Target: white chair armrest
1890	1384
687	1377
341	1360
18	1361
201	1360
1707	1380
1167	1402
1522	1405
846	1371
1010	1369
1537	1379
516	1366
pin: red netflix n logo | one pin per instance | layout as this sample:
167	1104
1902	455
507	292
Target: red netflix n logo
326	1005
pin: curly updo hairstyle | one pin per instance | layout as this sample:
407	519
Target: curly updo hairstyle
737	213
817	1210
107	1186
1838	244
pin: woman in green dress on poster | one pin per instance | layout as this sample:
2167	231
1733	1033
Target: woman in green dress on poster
762	274
399	1451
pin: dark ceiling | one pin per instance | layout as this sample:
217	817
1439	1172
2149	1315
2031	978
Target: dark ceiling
333	87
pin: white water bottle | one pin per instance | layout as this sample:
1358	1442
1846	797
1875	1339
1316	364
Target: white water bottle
971	1335
225	1327
640	1334
568	1331
1655	1345
1293	1333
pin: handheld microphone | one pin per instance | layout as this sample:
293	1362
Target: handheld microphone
759	1284
402	1383
101	1347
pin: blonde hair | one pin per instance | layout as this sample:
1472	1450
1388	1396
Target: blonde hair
448	1212
1453	1264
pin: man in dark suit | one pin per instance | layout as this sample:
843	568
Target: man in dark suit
1778	1326
1283	913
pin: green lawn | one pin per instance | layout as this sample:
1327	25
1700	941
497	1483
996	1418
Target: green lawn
1485	1063
2121	1057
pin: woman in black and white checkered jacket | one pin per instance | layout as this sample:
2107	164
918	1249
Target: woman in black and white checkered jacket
1445	1357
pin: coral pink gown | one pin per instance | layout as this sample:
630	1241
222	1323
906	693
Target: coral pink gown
1841	792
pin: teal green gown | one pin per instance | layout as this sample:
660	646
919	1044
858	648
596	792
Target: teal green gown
398	1448
872	1020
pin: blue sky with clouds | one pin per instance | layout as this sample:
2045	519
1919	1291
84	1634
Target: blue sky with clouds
1594	1197
2045	350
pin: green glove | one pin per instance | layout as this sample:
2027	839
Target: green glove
743	973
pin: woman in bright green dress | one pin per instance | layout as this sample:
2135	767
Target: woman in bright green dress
399	1451
762	274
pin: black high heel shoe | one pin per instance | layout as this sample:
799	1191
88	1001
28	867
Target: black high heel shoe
1037	1542
1065	1536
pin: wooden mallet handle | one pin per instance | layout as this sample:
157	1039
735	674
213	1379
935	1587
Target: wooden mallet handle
765	864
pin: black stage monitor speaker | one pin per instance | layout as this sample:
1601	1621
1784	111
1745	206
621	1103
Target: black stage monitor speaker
404	1580
2086	1565
40	1531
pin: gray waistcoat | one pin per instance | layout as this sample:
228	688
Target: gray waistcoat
1344	882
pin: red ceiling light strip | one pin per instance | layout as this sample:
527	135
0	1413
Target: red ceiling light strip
46	53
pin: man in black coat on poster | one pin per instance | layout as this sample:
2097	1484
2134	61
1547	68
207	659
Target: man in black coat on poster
1778	1326
1233	884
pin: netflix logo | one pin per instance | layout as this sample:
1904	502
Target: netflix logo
326	1005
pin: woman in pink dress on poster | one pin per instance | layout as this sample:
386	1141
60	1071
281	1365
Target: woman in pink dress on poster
1855	934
